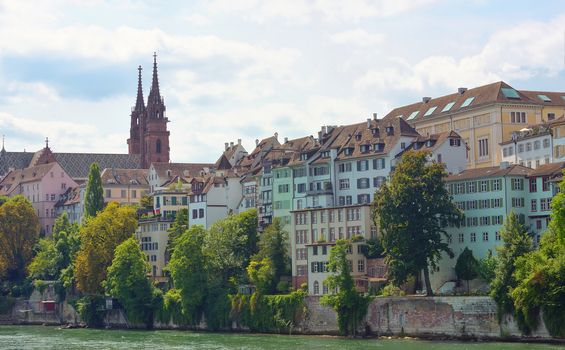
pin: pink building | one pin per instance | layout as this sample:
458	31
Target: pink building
42	184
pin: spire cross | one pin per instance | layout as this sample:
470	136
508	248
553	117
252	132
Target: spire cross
3	137
47	142
154	57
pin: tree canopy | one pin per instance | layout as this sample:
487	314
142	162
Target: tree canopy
99	237
127	281
19	232
412	211
94	196
466	267
273	245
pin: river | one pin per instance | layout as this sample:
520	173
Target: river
39	337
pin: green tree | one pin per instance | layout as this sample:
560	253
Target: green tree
557	223
127	281
45	264
19	232
412	210
517	242
273	245
99	237
262	274
466	266
248	222
349	305
94	197
374	249
178	227
487	267
188	272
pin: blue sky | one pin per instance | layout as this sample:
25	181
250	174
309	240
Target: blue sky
246	69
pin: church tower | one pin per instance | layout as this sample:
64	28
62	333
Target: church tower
148	134
138	116
156	135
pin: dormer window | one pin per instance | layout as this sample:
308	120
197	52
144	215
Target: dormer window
348	151
429	143
325	154
303	156
358	136
455	142
389	130
365	148
376	132
379	147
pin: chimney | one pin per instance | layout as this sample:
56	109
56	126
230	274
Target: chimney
276	135
239	141
324	130
504	165
286	140
374	116
226	145
231	144
256	142
461	90
368	123
426	99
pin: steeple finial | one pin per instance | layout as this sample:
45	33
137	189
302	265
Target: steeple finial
139	103
46	142
3	137
154	94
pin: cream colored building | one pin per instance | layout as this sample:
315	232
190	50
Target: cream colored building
125	186
316	230
484	116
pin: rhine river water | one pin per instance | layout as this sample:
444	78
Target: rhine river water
38	337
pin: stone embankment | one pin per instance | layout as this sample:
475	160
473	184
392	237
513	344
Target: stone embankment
415	316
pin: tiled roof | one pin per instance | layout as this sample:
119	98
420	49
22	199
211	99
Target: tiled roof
71	196
555	98
16	177
497	171
77	165
180	169
551	169
436	140
124	176
14	160
482	95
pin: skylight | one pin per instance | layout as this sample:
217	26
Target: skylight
430	111
448	106
510	93
467	102
563	97
413	115
544	98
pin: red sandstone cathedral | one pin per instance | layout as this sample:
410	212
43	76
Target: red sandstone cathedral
149	136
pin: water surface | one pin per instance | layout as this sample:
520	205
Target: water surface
39	337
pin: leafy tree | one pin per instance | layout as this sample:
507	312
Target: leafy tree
94	197
178	227
466	266
487	267
45	264
3	199
262	274
557	223
248	222
517	242
127	281
188	272
412	210
273	245
349	305
19	232
374	249
146	201
99	237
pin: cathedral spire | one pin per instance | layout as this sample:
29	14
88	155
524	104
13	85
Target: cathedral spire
139	103
154	94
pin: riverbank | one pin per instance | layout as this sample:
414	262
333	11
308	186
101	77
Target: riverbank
432	318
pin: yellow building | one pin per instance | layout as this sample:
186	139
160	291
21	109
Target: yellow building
484	116
125	186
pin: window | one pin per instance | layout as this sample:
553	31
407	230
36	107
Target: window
448	106
362	165
534	205
545	183
344	184
537	144
195	213
467	102
363	183
471	187
461	238
521	148
517	184
316	287
533	184
108	193
123	193
518	117
301	188
473	237
497	236
344	168
538	224
379	164
364	198
134	194
483	186
412	115
360	265
200	213
483	147
455	142
284	188
378	181
496	185
365	148
430	111
300	172
485	236
517	202
544	204
528	146
550	116
158	146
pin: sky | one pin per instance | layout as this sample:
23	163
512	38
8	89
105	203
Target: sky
245	69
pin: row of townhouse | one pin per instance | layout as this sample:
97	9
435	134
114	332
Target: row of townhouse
321	189
487	196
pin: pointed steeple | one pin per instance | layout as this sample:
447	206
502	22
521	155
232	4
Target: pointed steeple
139	102
3	151
154	94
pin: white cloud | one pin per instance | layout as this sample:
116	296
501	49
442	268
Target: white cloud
521	52
198	19
358	37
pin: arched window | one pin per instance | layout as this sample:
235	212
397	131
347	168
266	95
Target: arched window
316	288
158	146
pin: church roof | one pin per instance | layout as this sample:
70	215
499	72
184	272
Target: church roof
14	160
77	165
